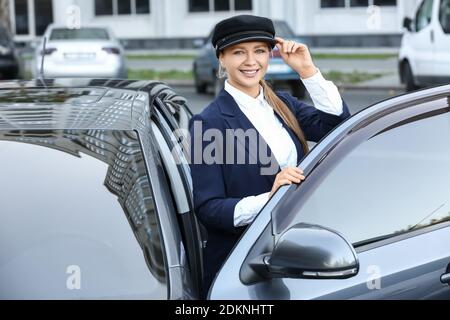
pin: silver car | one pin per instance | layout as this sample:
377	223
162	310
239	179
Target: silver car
96	202
85	52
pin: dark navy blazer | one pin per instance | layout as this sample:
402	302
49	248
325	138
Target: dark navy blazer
217	188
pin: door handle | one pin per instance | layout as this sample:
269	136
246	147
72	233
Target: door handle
445	278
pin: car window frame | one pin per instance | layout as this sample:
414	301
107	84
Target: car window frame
161	117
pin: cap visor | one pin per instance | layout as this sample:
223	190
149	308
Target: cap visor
269	40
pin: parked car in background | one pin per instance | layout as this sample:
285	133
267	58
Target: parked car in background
104	209
9	63
85	52
206	64
425	50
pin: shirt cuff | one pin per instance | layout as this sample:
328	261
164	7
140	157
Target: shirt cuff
324	94
248	208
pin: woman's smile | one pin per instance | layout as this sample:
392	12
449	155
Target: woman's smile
246	64
250	73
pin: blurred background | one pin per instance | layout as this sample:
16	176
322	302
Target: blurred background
355	43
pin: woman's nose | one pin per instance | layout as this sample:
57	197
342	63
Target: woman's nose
250	59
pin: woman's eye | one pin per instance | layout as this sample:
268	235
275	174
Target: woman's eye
238	52
260	51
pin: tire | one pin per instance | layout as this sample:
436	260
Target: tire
200	87
408	77
9	74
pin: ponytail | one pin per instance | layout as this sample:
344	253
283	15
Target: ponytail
285	113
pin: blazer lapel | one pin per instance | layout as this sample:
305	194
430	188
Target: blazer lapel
236	119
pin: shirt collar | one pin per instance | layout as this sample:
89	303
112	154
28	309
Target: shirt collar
243	99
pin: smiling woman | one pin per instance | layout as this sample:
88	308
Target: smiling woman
246	64
227	197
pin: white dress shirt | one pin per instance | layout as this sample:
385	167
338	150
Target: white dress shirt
325	97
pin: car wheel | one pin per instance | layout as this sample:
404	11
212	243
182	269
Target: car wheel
9	75
200	87
408	77
298	89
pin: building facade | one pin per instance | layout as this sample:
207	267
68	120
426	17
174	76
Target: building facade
175	23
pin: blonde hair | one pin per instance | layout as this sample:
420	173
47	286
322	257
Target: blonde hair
285	113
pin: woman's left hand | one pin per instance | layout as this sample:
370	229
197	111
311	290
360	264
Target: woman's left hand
297	56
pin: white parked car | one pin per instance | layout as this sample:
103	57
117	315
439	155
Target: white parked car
425	51
92	52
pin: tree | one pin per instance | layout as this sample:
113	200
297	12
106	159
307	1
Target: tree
4	14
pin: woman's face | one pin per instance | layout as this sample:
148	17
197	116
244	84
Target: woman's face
246	65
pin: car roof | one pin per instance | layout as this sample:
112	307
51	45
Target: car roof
53	104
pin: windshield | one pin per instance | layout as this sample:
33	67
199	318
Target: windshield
79	34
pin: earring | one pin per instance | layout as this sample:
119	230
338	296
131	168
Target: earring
222	72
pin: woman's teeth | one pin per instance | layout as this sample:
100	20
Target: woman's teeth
252	72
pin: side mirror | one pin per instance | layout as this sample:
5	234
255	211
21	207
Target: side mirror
407	24
198	43
312	252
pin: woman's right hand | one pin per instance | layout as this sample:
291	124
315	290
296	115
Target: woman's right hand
287	176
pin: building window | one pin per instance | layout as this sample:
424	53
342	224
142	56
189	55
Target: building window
43	12
332	3
359	3
219	5
103	7
385	3
142	6
356	3
122	7
243	5
21	10
198	5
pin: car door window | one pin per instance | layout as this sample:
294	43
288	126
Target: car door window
424	14
444	15
77	217
396	181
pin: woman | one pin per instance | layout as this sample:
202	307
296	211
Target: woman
233	177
